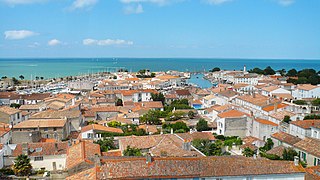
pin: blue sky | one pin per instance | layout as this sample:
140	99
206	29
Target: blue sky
160	28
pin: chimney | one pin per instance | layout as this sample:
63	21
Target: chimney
171	131
148	158
253	94
73	102
254	156
296	161
275	107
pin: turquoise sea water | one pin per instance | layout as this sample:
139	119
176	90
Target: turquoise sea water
199	81
58	67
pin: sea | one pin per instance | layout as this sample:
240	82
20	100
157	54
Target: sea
59	67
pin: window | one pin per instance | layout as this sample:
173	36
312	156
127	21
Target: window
38	158
303	156
54	129
45	129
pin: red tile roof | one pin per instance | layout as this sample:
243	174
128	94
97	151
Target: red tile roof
286	138
271	107
265	122
173	167
98	127
310	145
41	123
232	113
42	148
306	124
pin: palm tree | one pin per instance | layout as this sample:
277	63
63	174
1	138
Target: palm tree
22	166
21	77
41	78
37	78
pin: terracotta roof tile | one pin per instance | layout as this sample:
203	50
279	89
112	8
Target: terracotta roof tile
42	123
271	107
232	113
266	122
285	137
306	124
98	127
9	110
309	145
42	148
174	167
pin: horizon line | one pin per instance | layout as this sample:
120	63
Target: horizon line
227	58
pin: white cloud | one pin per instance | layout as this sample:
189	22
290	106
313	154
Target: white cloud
106	42
131	9
18	34
18	2
82	4
158	2
285	2
54	42
217	2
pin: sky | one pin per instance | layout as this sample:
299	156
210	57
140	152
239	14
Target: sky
277	29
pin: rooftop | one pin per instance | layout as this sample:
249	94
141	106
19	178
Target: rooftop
286	138
9	110
309	145
306	124
41	123
173	167
232	113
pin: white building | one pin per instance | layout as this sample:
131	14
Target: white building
306	91
315	131
302	129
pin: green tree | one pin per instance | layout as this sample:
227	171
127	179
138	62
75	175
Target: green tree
215	69
158	97
15	81
15	105
282	72
314	79
21	77
300	102
289	154
178	126
151	117
106	144
268	145
268	71
256	70
247	152
41	78
208	148
202	125
132	151
114	77
292	73
114	124
37	78
4	77
22	166
316	102
286	119
119	102
191	114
